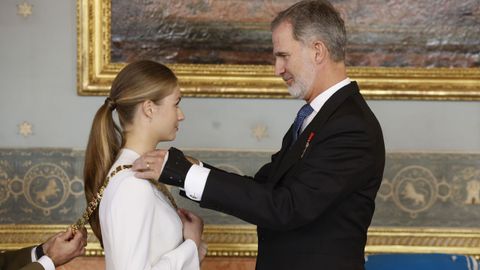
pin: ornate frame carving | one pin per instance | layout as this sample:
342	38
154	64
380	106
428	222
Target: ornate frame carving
95	71
242	240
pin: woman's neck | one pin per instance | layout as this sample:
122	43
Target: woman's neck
139	143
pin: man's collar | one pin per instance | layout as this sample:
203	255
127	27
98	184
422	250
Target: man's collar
318	102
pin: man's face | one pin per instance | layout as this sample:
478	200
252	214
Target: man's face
293	61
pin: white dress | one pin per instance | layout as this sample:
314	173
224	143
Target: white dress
140	228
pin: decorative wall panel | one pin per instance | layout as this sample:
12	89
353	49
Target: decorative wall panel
427	201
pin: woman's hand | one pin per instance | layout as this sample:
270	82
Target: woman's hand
202	250
193	229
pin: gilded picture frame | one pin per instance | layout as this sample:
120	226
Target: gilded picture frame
95	71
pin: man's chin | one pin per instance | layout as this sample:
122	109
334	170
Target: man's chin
296	93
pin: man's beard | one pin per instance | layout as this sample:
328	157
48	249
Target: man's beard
299	88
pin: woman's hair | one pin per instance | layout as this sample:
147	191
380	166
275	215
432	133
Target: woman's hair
134	84
316	19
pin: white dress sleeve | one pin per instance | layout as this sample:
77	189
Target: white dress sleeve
131	222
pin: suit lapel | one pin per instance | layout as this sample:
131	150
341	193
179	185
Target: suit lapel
289	157
287	140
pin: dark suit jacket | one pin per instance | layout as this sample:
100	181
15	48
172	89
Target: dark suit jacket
18	260
312	210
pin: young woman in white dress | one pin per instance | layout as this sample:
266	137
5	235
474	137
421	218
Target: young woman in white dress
137	221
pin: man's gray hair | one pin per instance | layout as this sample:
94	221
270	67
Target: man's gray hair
316	20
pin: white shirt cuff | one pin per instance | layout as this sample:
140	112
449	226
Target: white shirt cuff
199	164
46	262
195	182
32	254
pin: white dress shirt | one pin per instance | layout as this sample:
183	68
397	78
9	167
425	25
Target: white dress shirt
197	175
45	261
140	228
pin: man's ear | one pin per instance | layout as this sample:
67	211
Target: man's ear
321	51
147	108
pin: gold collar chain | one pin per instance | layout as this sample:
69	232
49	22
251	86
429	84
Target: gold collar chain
92	205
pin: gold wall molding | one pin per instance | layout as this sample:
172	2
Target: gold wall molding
241	241
464	241
95	71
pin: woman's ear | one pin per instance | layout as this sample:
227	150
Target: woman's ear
147	108
321	51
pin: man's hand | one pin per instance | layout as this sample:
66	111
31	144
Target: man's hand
176	168
65	246
150	165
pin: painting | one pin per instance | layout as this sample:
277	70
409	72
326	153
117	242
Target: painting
396	49
396	34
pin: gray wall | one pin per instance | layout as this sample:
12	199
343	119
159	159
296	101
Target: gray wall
38	85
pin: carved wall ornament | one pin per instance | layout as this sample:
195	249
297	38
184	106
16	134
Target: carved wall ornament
46	186
260	131
25	129
414	189
24	9
466	186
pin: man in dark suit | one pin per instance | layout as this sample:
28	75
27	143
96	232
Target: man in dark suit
58	250
313	203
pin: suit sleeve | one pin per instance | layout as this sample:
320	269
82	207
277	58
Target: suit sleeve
133	219
338	162
32	266
18	259
261	176
266	170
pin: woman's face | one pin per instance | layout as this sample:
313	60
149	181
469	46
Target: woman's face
167	115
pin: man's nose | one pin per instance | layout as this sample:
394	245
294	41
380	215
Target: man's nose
279	68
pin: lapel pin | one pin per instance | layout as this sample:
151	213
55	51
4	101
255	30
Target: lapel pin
310	137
